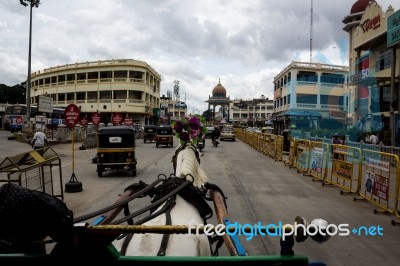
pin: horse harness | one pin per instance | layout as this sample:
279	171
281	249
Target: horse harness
182	147
165	193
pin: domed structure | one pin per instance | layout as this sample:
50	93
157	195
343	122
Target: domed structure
360	6
219	91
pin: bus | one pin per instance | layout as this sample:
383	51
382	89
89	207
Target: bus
15	115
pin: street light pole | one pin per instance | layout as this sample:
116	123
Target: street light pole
32	3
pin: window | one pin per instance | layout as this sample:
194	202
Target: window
93	75
384	60
332	78
81	76
307	98
307	76
70	77
332	100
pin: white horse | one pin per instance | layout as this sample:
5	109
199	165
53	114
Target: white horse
183	213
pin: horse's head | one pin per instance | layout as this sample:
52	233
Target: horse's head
186	163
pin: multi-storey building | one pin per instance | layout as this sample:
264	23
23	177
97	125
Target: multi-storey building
254	113
310	95
374	69
172	109
127	87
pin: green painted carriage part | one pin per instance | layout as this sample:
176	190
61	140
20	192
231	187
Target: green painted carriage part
44	260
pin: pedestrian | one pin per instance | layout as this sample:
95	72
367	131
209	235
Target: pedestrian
336	140
39	140
373	139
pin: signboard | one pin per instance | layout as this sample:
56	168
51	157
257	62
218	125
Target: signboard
45	104
393	29
128	121
84	121
72	115
116	119
96	118
377	185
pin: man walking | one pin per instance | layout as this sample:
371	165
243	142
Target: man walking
39	140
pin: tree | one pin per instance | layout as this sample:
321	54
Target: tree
208	115
12	95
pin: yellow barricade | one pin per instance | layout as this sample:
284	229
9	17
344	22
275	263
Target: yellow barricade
247	138
346	168
264	143
302	156
379	180
319	154
272	146
292	153
260	146
279	148
267	143
254	140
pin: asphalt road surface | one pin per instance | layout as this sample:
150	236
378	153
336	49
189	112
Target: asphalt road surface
258	188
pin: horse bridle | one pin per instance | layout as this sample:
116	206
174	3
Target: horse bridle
181	148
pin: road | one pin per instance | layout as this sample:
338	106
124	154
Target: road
258	188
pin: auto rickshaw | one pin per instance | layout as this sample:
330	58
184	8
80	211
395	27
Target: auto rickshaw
149	133
165	136
116	149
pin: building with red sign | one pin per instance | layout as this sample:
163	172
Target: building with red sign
126	87
364	95
374	81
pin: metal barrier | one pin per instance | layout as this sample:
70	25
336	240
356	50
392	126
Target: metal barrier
346	168
319	154
272	146
263	143
36	170
292	153
379	180
279	148
302	156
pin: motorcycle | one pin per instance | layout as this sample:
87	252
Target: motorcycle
215	142
201	143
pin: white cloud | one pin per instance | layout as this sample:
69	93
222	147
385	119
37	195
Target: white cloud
242	43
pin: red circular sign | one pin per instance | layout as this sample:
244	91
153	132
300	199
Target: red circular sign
116	118
128	121
72	115
84	121
96	118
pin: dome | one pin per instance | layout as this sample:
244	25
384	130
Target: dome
359	6
219	91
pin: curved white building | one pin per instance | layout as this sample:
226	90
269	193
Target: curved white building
126	87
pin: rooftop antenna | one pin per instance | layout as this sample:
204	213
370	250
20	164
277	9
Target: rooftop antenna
311	23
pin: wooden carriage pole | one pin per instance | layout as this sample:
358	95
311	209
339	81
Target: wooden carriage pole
222	214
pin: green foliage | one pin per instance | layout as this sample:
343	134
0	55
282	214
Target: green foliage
12	95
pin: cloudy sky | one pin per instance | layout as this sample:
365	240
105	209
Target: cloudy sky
244	43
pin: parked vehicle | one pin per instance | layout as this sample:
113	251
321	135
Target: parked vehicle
269	130
116	149
149	133
165	136
228	132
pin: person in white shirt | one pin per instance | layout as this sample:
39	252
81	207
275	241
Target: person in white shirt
39	140
373	139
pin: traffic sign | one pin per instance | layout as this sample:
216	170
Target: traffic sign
72	115
116	119
96	119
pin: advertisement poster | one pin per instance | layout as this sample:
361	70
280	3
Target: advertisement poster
317	155
377	185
